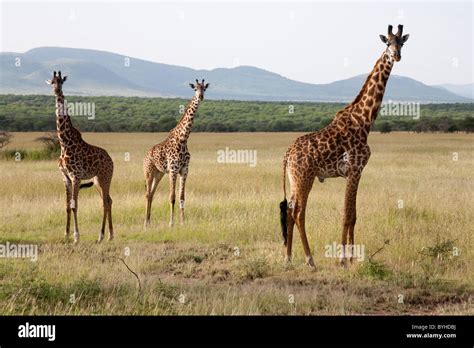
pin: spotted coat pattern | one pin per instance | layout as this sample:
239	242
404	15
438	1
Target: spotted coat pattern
338	150
80	161
172	157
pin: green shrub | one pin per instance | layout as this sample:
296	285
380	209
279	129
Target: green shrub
374	269
255	268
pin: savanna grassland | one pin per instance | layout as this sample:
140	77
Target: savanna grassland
414	200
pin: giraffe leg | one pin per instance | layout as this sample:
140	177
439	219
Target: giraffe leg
103	186
109	217
74	205
104	216
104	182
68	186
349	217
151	185
182	184
351	239
173	177
299	212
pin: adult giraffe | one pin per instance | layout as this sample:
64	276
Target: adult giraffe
80	161
172	156
338	150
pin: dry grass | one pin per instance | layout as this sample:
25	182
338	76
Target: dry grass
228	258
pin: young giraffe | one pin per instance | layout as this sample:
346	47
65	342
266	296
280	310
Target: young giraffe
172	156
80	161
338	150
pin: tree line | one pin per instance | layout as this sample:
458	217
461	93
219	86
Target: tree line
134	114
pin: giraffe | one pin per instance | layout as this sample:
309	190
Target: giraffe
80	161
338	150
172	156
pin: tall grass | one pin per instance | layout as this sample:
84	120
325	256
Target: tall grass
50	150
228	258
28	155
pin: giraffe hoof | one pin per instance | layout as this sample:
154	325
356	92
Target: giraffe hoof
343	263
310	262
111	237
101	237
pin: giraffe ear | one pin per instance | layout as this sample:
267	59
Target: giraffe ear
207	85
192	85
48	81
405	38
383	38
64	78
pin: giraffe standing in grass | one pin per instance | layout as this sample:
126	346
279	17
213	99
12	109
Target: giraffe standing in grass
338	150
80	161
172	156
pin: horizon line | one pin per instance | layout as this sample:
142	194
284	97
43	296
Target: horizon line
235	67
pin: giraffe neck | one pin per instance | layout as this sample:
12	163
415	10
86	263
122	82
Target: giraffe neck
66	132
184	126
366	105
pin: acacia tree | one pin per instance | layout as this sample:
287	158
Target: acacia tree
5	138
50	141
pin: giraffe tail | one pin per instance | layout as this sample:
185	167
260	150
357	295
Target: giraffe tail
284	208
87	184
284	225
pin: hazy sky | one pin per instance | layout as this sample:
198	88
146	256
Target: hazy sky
315	42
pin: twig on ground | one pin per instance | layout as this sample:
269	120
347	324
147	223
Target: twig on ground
136	275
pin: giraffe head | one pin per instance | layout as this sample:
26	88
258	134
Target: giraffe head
394	42
199	88
57	81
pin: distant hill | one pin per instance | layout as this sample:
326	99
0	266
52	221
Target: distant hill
103	73
466	90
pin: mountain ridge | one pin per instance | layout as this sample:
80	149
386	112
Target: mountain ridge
99	73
